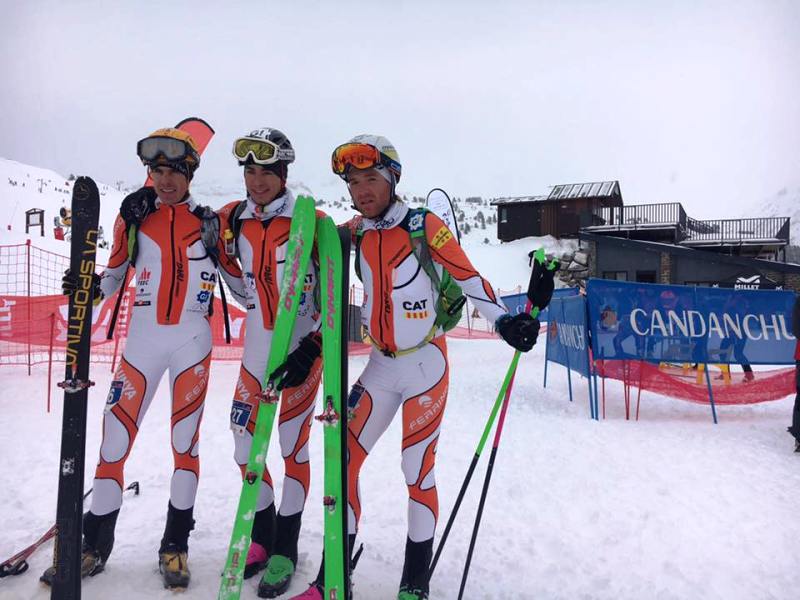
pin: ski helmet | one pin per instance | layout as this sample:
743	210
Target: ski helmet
350	154
170	147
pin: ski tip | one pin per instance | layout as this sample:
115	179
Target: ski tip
84	187
195	120
440	190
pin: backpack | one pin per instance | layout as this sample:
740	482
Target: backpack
451	299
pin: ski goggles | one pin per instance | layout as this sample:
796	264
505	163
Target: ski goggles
173	150
262	152
360	156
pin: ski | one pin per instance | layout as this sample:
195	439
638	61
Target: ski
298	254
18	564
69	511
439	203
334	258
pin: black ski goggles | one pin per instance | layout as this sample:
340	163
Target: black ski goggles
151	148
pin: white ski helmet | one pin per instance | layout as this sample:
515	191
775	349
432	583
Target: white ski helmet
389	158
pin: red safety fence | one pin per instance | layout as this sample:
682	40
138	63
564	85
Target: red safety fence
33	314
690	384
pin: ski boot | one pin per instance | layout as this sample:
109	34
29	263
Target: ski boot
91	565
411	594
314	592
98	540
174	551
414	582
260	541
796	438
173	566
281	565
316	589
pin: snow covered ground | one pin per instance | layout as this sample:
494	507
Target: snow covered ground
669	507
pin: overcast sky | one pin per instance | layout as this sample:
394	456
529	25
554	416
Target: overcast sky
697	102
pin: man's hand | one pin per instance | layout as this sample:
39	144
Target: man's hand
298	364
519	331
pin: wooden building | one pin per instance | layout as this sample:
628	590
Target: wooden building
562	213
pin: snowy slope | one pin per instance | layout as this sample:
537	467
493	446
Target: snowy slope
671	507
23	187
784	203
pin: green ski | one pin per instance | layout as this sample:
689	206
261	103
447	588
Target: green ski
298	254
334	258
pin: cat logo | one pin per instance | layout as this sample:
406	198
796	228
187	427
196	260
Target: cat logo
416	309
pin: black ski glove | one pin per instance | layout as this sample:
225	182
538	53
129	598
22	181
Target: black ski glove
298	364
540	288
69	283
519	331
137	205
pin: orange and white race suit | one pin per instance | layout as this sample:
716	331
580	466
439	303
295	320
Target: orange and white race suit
169	329
261	242
398	313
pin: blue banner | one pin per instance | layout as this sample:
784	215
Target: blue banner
675	323
567	338
516	302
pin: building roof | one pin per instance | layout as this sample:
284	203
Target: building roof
597	189
517	199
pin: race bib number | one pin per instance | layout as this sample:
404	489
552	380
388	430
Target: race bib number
240	415
114	394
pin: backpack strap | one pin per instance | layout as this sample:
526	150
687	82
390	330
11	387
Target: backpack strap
357	264
414	223
236	228
209	234
209	230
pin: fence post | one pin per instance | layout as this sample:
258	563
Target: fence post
50	358
114	358
28	292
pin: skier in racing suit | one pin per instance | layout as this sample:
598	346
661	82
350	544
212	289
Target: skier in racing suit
159	231
408	367
256	230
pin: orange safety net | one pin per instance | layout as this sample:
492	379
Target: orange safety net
676	381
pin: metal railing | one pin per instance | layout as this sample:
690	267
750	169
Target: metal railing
737	230
671	215
636	216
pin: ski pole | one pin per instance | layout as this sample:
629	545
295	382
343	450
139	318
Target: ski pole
505	392
18	564
504	395
508	383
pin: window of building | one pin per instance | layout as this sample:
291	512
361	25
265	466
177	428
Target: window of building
503	214
616	275
645	276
